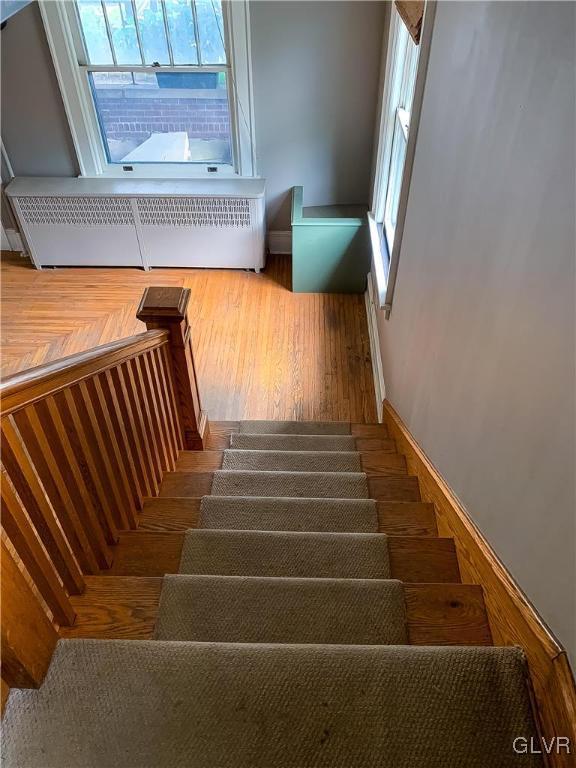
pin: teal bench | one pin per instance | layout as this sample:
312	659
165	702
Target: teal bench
330	247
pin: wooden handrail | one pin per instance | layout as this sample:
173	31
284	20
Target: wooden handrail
26	387
85	440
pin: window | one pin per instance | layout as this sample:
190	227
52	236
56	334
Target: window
155	88
401	69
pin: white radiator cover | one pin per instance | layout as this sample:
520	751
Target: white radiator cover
179	223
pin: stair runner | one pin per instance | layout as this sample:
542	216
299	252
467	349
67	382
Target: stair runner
281	643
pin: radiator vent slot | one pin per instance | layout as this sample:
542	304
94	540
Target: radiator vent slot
80	211
195	211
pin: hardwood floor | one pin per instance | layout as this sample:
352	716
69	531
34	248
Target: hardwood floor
261	351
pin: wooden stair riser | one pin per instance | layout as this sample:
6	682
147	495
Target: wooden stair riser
412	559
373	462
438	614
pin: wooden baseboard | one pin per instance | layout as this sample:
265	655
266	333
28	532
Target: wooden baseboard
513	619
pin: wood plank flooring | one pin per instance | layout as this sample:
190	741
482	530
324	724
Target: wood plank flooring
262	352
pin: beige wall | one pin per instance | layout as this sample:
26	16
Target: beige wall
34	125
479	352
316	68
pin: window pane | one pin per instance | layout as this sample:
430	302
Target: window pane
94	30
177	117
211	29
394	182
123	30
152	31
181	29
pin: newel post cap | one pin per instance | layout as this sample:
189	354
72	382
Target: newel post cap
168	303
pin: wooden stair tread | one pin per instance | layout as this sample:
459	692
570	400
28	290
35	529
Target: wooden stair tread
373	462
220	431
403	518
382	488
125	607
412	558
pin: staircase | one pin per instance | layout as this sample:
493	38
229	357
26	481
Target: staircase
246	593
308	615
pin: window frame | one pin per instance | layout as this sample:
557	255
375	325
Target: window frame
385	258
67	47
395	94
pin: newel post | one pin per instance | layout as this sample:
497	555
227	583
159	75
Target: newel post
167	308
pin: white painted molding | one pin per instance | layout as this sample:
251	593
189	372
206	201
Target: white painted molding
237	31
6	160
280	241
4	242
12	240
81	118
377	368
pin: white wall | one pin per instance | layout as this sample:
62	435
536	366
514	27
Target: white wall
316	68
479	351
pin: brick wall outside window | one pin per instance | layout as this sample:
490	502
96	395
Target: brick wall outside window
136	118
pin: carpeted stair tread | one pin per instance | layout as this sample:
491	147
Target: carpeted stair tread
295	427
288	514
273	442
280	553
331	485
248	609
292	461
139	704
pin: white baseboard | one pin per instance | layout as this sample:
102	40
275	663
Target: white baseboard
280	241
377	368
14	239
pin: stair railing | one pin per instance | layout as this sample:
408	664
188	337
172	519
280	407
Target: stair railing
84	440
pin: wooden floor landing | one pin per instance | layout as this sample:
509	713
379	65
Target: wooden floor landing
261	351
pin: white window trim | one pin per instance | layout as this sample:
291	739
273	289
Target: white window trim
385	262
81	112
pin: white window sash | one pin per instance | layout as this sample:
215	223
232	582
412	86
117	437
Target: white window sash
64	36
386	126
408	93
400	139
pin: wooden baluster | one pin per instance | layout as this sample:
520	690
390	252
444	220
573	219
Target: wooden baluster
102	454
25	479
28	637
92	478
27	544
123	428
69	513
167	379
65	457
165	416
126	394
147	416
134	398
167	308
155	413
119	456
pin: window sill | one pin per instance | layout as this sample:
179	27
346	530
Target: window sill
381	260
164	171
132	187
